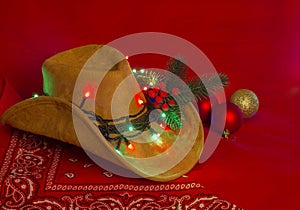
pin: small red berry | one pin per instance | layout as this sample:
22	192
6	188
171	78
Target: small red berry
162	85
159	99
151	93
165	107
171	102
156	105
163	94
175	91
156	89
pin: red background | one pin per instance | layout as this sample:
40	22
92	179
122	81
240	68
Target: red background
255	42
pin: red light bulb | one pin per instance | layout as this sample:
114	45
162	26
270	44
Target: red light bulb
87	94
140	102
162	126
130	147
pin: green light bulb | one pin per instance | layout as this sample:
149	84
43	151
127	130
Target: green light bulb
118	151
35	95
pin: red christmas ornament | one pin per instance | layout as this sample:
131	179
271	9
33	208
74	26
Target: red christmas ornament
205	107
234	118
175	91
205	111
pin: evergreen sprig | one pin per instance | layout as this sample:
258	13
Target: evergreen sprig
176	66
192	88
173	118
213	83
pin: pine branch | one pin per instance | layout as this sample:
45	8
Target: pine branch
201	91
176	66
173	118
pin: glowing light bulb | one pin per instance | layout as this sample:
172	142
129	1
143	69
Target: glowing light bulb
134	71
130	128
151	83
163	115
159	142
140	101
130	147
145	88
126	57
87	94
35	95
142	71
155	136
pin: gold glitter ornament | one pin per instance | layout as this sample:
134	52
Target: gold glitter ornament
246	100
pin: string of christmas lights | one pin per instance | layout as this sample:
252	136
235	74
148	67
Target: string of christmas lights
159	96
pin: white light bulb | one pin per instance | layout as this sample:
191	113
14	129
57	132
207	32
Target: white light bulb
155	136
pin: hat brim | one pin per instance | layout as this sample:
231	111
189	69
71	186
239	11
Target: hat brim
52	117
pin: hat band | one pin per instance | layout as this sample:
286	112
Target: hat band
116	130
127	126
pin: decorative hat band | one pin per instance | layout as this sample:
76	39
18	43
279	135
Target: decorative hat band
127	126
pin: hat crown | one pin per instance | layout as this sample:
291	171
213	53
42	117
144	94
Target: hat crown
107	71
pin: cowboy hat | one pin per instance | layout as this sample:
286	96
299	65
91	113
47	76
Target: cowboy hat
78	109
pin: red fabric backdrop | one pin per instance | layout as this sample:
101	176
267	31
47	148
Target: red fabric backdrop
255	42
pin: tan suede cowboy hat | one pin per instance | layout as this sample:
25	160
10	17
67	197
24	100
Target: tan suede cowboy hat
100	128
